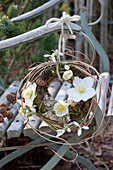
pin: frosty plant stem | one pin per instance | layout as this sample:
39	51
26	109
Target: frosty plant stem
41	116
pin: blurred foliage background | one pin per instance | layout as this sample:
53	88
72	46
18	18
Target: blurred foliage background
15	62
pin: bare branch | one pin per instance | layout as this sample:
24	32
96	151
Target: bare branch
37	11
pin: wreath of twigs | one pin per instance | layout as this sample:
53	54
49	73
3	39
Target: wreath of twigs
84	70
33	75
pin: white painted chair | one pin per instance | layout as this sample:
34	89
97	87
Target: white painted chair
15	127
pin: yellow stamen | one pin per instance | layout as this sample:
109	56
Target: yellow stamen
61	108
28	93
67	75
81	89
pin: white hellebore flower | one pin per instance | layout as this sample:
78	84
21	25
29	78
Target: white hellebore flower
52	56
82	89
67	75
60	132
29	94
61	108
80	128
66	67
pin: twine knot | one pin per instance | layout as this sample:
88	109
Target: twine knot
67	36
65	19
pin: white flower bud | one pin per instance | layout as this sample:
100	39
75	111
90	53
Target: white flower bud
66	67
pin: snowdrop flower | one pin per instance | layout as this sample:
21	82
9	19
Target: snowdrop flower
80	128
67	75
29	94
61	108
57	53
82	89
67	128
66	67
60	132
52	56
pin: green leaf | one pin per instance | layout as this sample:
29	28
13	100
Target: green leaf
72	77
52	70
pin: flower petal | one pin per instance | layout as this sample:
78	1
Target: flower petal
88	81
79	131
59	105
91	92
29	83
77	81
73	94
29	101
63	102
62	114
85	127
60	132
53	58
69	100
76	124
47	55
68	130
61	54
84	97
66	67
67	75
69	124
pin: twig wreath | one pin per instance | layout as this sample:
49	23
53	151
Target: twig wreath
76	111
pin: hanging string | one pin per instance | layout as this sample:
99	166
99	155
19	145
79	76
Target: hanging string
64	36
64	20
63	39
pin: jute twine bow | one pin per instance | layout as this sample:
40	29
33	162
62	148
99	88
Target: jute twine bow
65	19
